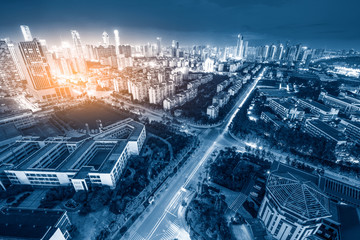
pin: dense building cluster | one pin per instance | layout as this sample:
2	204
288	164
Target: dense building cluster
331	117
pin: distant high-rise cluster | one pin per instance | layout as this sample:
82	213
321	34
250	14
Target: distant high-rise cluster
49	71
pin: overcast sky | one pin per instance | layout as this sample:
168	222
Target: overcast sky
317	23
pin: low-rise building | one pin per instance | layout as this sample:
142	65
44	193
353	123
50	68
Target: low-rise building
293	206
46	224
98	159
336	187
235	88
346	105
21	120
318	128
352	130
325	113
271	118
287	110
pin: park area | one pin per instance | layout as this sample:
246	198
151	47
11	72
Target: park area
229	197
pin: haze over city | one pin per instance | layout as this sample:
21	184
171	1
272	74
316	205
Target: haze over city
322	23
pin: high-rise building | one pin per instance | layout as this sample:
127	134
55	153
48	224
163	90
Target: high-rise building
272	52
106	41
239	47
125	50
9	73
158	45
26	33
280	52
308	60
9	59
90	52
265	52
117	42
36	65
79	61
298	51
246	46
174	48
77	43
16	56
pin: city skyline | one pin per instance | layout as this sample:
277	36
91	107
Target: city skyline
188	120
191	22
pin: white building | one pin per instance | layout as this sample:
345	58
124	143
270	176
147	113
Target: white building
209	65
293	206
98	159
213	111
21	120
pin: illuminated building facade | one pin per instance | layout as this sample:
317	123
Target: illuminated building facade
36	65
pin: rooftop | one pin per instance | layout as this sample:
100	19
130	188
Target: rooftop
348	101
28	162
286	105
74	157
356	124
8	131
27	223
137	128
108	163
100	152
20	113
318	105
303	198
275	93
328	130
295	191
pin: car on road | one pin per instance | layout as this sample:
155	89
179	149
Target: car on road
151	199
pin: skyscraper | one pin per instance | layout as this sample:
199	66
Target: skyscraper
125	50
245	52
174	48
8	71
298	51
117	42
106	41
36	65
158	44
280	52
79	61
26	33
77	43
16	57
239	47
272	52
265	52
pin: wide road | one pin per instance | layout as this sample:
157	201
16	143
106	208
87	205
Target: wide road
164	219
